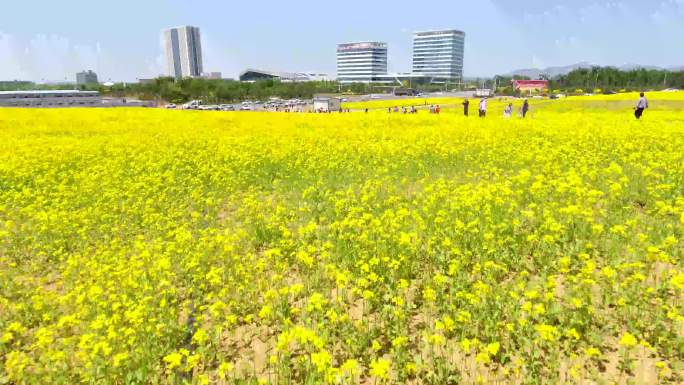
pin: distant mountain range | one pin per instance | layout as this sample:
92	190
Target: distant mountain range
535	73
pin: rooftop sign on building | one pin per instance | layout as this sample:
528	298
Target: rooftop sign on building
362	45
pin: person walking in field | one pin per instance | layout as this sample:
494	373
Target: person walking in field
642	104
508	111
525	108
483	107
466	104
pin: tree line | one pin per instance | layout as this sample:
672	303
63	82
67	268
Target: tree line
606	79
613	79
216	91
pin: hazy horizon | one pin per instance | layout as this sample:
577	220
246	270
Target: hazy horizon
122	42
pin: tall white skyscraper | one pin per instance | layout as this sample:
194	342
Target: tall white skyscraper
361	62
439	54
183	51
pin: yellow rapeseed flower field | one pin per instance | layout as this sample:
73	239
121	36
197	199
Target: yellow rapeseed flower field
142	246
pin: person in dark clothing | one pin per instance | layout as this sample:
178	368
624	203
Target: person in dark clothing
525	108
466	104
641	106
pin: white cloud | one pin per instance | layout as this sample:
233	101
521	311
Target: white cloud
10	66
45	58
669	12
159	66
55	58
219	57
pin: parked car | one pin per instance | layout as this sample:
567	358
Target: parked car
227	107
246	107
192	105
170	106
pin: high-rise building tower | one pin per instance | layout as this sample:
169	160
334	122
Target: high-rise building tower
183	51
86	77
439	54
361	62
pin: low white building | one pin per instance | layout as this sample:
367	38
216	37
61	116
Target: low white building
326	104
212	75
50	98
314	76
252	75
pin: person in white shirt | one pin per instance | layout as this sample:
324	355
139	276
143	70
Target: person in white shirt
641	106
483	107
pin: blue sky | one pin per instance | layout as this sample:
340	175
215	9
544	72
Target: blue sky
51	40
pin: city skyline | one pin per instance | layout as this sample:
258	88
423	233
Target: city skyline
122	42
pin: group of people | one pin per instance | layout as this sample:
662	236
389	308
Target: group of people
642	105
508	111
404	110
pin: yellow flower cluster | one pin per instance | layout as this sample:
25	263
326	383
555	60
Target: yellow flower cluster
150	246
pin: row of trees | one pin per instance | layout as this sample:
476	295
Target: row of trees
218	91
606	79
613	79
18	85
215	91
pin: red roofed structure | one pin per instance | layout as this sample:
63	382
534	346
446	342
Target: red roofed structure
530	85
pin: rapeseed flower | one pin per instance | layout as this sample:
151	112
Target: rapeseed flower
380	369
262	241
